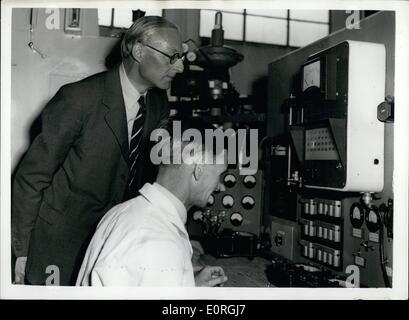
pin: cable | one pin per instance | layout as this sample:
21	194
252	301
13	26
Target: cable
382	250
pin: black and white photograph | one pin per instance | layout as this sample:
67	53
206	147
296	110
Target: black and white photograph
201	149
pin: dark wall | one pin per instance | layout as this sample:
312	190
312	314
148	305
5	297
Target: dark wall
337	19
252	72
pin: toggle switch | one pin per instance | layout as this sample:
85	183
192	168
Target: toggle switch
325	233
337	258
320	208
319	232
306	207
337	209
330	259
319	255
313	207
331	235
331	210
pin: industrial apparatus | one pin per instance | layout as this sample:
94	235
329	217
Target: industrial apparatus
333	103
230	224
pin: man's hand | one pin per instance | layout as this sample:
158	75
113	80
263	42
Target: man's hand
210	277
20	270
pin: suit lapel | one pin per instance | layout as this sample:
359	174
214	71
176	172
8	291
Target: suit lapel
116	115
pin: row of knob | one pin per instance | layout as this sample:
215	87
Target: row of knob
330	208
236	219
331	257
228	201
230	180
321	230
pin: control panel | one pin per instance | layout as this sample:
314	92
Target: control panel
321	231
336	162
368	240
237	208
338	138
339	233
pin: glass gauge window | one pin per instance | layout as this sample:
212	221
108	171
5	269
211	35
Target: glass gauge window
229	180
197	215
236	219
228	201
249	181
248	202
210	201
356	215
371	220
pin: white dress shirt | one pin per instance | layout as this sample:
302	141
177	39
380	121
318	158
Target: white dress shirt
131	96
141	242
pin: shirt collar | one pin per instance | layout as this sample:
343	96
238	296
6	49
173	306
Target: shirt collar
164	199
179	206
169	205
131	95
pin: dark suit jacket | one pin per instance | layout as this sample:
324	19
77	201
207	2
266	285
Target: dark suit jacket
75	171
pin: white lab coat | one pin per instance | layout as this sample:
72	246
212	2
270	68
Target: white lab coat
141	242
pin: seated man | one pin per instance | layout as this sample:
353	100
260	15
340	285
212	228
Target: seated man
143	241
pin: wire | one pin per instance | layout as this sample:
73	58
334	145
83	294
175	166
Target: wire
382	258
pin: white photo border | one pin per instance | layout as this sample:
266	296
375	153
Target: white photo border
400	174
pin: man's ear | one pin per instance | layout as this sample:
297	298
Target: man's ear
198	171
137	51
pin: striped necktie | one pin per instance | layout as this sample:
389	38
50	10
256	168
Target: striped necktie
135	146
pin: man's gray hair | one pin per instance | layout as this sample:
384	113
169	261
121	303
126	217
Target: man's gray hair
142	30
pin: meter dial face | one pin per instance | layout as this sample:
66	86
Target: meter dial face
210	201
249	181
236	219
228	201
185	47
191	56
371	220
311	75
198	215
248	202
357	215
229	180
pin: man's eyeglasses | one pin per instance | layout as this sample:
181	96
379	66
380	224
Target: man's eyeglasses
173	58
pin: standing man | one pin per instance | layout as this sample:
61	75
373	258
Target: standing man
92	153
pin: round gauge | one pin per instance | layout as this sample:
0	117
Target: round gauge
371	220
357	215
249	181
311	75
236	219
229	180
210	201
248	202
191	56
228	201
185	47
197	215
